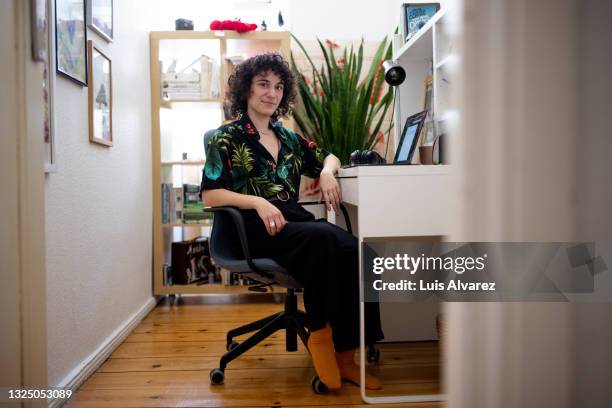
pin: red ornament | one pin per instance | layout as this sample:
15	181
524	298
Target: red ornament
234	25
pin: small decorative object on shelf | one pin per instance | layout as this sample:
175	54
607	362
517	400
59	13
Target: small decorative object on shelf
281	21
425	154
234	25
415	16
192	86
183	24
264	26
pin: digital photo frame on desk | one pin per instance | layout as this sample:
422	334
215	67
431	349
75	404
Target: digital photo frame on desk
409	138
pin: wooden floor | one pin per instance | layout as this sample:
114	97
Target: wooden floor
166	362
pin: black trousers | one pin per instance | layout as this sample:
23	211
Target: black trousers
324	259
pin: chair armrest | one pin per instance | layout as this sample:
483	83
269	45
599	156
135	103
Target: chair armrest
347	220
239	223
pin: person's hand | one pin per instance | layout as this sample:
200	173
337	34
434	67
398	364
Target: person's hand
330	190
270	215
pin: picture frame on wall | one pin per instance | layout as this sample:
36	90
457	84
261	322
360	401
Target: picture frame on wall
415	16
40	29
71	40
100	96
100	18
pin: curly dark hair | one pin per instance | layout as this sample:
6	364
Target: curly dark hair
240	82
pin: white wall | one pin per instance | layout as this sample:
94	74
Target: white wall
346	20
98	205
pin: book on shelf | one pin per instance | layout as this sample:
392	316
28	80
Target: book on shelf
167	274
177	210
191	263
193	207
172	204
182	205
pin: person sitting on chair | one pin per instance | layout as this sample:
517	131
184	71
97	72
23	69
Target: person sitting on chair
255	164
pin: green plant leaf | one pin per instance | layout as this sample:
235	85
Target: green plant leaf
346	115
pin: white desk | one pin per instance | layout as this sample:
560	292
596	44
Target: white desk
398	201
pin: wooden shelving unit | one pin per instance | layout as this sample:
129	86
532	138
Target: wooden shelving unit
177	128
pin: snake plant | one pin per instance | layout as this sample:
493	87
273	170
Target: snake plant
339	111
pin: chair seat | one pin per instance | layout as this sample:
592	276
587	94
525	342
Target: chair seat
279	274
240	265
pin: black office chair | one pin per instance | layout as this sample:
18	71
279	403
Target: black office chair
229	230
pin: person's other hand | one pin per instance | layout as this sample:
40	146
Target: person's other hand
271	216
330	190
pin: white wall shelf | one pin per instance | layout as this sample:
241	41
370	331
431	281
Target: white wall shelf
419	46
428	54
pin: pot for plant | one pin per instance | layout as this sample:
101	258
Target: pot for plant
426	154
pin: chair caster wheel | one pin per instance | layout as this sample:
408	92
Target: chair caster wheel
217	376
317	385
373	354
232	345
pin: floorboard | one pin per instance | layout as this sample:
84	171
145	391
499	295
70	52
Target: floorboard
166	360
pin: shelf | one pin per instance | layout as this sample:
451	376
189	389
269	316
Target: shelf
192	100
168	104
184	163
419	48
177	126
447	62
206	224
216	288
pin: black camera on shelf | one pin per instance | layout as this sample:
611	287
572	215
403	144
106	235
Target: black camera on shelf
183	24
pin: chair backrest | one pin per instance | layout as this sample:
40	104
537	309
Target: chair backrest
207	136
226	250
225	246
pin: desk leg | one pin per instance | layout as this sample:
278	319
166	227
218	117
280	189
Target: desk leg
362	352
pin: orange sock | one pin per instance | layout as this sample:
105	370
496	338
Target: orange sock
350	371
321	348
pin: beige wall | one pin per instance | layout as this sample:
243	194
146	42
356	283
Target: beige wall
10	348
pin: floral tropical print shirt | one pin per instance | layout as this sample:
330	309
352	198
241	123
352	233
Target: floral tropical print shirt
237	161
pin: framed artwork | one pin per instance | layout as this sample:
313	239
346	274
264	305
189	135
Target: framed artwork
100	18
100	97
71	40
415	16
40	29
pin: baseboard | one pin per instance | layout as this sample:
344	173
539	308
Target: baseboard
89	366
